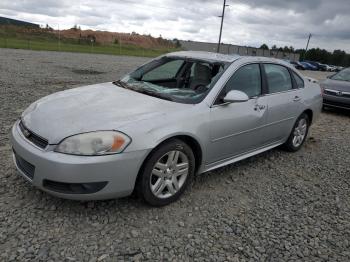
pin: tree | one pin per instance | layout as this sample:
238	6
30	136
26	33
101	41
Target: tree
48	28
339	57
286	49
264	46
177	43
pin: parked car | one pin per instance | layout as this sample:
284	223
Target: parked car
315	64
309	66
336	90
339	68
322	67
152	130
298	65
328	68
333	68
318	65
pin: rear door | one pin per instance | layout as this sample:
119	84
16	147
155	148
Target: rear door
283	100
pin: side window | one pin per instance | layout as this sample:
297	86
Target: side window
278	78
298	80
196	64
246	79
164	71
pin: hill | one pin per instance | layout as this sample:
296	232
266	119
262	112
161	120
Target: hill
76	40
10	21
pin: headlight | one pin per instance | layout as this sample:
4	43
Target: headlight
94	143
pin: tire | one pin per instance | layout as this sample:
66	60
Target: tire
166	173
293	144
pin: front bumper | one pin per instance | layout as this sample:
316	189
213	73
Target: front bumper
115	175
336	101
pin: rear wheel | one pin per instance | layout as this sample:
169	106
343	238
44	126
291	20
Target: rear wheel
166	173
299	133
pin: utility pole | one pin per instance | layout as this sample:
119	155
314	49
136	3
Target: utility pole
59	38
307	45
120	44
222	21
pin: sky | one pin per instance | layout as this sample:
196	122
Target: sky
247	22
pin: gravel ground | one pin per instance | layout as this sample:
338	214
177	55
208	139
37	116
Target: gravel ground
277	206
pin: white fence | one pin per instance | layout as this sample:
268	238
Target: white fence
240	50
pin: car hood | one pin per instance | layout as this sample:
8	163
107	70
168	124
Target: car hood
91	108
338	85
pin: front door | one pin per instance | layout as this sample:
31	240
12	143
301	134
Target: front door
237	128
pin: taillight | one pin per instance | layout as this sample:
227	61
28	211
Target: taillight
322	90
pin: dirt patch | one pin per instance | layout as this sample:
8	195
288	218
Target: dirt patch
87	72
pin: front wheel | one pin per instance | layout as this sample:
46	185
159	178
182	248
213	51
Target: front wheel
299	133
166	173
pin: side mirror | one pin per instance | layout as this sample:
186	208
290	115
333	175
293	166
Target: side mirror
235	96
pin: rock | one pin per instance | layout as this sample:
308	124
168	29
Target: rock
102	257
134	233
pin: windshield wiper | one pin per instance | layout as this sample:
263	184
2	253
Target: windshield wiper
143	91
122	84
154	94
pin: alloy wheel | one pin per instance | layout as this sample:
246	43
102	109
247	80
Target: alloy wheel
299	132
169	174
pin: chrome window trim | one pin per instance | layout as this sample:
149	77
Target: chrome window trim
282	92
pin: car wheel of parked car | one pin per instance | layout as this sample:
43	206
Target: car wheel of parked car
299	133
166	173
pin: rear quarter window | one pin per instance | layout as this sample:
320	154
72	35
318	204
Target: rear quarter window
298	80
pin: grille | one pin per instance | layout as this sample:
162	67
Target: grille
27	168
74	188
334	93
32	137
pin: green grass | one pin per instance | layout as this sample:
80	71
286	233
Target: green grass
114	49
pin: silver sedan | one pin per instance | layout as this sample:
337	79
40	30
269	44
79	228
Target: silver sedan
336	90
151	131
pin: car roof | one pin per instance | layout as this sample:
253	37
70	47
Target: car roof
224	58
202	55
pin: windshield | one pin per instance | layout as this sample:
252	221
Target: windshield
176	79
343	75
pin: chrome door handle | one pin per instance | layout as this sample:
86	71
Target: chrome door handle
259	107
297	98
